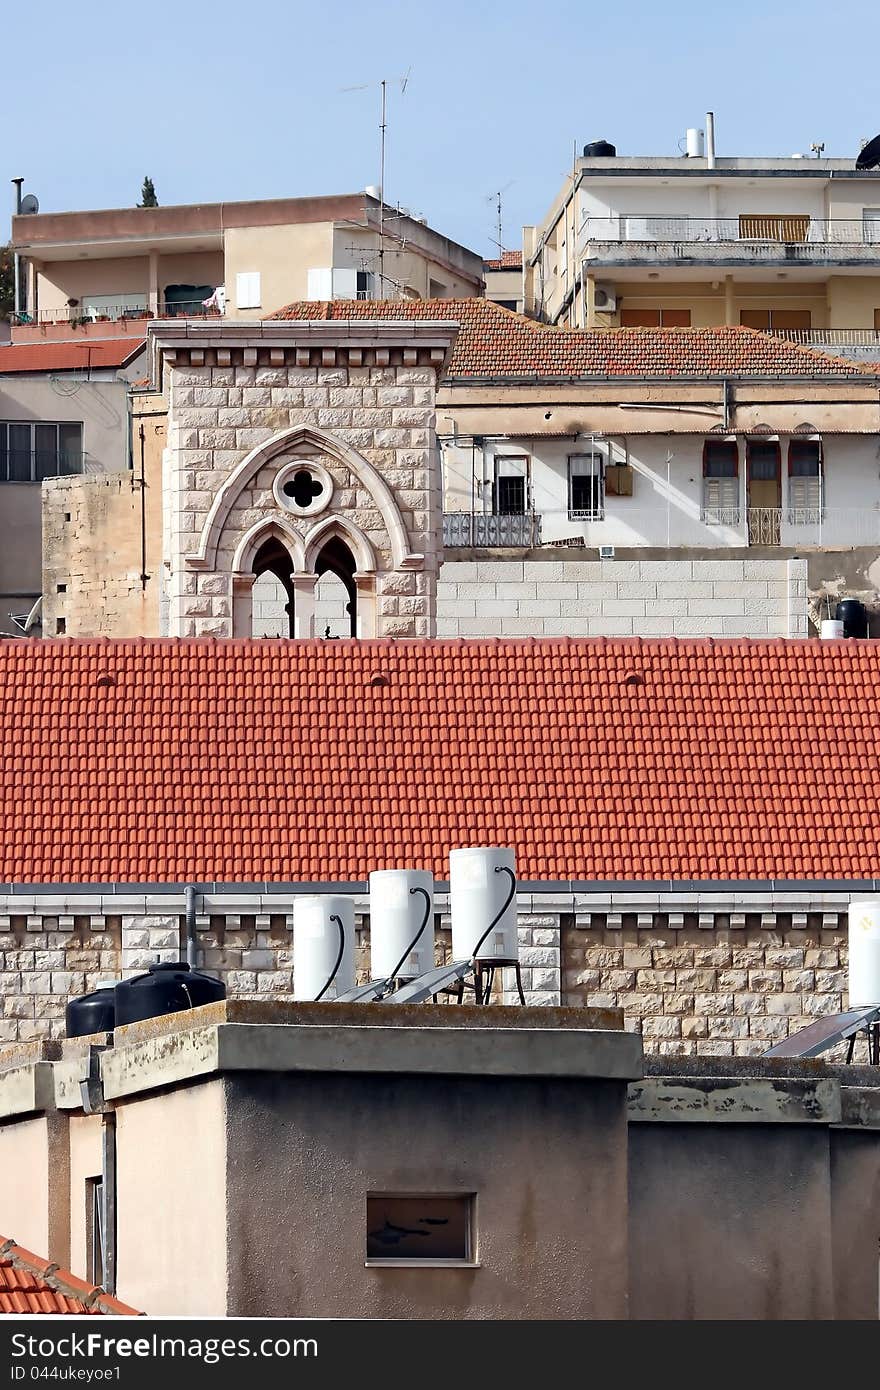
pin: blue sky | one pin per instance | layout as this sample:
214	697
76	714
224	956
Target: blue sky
224	101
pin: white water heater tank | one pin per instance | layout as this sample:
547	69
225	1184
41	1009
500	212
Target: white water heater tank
864	952
832	629
695	143
316	946
478	888
397	911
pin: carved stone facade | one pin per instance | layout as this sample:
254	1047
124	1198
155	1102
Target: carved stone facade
298	450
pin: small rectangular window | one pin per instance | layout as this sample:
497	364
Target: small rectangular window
511	486
721	482
655	318
247	289
30	452
94	1194
805	500
586	499
429	1228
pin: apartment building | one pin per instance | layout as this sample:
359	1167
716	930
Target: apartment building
503	275
96	272
789	245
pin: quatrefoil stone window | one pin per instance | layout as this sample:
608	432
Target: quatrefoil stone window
303	486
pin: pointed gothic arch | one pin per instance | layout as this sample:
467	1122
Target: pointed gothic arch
352	535
205	554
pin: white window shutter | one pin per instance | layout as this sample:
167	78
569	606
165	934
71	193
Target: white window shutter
320	283
344	284
247	289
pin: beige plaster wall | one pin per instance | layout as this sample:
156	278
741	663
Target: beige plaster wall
304	1150
282	255
86	1161
171	1202
24	1188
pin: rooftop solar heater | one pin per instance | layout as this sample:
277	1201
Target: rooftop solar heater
443	977
828	1032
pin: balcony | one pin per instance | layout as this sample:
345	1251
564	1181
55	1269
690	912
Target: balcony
649	240
831	528
113	321
462	530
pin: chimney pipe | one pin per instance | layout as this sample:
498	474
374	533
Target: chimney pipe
710	139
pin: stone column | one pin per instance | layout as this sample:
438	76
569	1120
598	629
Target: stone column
242	605
304	604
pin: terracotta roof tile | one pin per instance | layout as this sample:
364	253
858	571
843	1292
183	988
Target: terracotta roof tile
508	260
494	342
67	357
255	760
29	1284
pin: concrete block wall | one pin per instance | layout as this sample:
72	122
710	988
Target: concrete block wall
622	598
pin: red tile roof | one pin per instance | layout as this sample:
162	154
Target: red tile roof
68	357
249	760
494	342
508	260
31	1285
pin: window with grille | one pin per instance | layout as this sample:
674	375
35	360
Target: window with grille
31	452
805	500
511	486
586	487
721	482
773	226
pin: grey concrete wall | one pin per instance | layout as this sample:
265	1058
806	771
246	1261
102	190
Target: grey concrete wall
855	1212
547	1160
730	1221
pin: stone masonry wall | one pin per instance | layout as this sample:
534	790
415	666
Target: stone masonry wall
711	983
511	597
226	401
721	991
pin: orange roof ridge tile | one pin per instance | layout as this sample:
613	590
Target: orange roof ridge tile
29	1284
496	342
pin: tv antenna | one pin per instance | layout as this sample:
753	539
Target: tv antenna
496	198
818	149
383	126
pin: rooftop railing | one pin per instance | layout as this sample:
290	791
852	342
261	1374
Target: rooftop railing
791	229
474	529
76	315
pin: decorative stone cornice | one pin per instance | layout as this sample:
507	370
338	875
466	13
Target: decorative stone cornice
322	343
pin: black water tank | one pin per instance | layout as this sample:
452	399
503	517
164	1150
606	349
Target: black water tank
599	149
91	1013
165	989
854	616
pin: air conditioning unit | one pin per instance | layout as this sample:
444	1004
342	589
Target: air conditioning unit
606	552
606	299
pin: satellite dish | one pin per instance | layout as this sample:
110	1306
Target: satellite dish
29	203
869	155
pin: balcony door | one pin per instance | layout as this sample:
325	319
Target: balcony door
764	490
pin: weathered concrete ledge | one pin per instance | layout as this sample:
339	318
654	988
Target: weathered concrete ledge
26	1090
860	1107
188	1055
367	1016
736	1100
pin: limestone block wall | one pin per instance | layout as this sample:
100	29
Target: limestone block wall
621	598
696	979
92	560
44	959
240	411
716	990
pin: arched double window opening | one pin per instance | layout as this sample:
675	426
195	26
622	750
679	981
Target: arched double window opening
323	602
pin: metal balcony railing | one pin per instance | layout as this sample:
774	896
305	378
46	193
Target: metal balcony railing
791	229
830	337
463	529
75	315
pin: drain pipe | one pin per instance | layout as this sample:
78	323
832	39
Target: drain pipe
108	1198
191	947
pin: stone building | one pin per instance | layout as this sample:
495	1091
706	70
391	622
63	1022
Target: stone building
633	482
